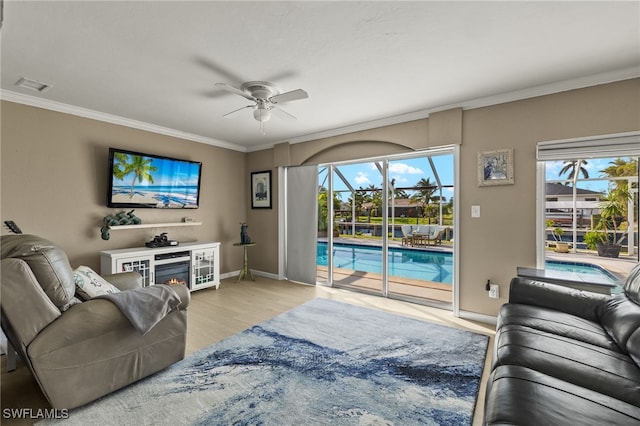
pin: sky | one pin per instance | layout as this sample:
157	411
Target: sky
408	172
593	167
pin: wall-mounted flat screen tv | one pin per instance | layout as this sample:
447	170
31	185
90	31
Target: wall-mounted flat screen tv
151	181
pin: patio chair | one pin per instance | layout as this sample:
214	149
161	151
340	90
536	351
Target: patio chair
407	238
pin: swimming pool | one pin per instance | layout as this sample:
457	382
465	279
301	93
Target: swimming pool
406	263
426	265
580	268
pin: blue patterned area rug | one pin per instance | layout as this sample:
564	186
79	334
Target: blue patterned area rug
324	362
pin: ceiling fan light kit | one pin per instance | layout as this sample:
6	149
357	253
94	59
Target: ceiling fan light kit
261	114
266	97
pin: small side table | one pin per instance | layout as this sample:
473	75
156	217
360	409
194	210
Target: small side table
245	272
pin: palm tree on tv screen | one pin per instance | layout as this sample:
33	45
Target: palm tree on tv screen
140	166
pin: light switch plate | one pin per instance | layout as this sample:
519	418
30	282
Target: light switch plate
475	211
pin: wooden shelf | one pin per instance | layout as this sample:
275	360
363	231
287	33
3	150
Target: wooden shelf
154	225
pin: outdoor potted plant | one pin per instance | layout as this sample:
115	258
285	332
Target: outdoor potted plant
612	208
561	246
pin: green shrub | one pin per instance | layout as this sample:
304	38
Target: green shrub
592	238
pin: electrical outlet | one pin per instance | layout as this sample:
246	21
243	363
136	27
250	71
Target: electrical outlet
494	291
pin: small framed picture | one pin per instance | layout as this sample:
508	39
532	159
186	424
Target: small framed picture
261	190
495	167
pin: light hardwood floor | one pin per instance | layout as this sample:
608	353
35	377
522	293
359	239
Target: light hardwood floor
216	314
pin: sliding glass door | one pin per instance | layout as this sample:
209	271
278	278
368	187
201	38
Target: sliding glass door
350	226
385	226
420	260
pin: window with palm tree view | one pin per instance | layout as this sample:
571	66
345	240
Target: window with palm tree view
591	218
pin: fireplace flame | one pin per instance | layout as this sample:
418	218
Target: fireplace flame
175	281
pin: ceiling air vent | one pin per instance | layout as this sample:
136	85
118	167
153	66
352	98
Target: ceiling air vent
32	84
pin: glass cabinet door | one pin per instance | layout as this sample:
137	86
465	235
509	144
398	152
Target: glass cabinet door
204	268
140	265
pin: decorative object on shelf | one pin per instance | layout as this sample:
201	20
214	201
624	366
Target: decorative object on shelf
244	236
495	167
108	221
261	190
133	218
120	218
161	241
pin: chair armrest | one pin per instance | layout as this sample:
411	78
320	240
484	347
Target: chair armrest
90	320
584	304
24	303
184	294
125	280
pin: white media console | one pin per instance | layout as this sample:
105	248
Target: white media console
196	265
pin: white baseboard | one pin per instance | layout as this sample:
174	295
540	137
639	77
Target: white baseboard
474	316
230	274
254	272
266	275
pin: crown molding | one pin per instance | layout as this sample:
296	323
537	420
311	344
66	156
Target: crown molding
20	98
531	92
517	95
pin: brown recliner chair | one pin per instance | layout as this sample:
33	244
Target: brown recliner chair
78	352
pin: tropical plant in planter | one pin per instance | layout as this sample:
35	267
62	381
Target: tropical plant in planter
561	246
612	207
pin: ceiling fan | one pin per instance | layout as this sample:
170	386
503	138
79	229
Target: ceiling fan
266	97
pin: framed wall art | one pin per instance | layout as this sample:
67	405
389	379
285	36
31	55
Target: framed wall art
261	190
495	167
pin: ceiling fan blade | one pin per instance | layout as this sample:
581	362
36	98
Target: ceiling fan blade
293	95
234	90
229	114
282	113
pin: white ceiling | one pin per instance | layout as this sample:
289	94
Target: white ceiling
153	64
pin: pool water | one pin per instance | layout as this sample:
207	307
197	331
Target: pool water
406	263
580	268
426	265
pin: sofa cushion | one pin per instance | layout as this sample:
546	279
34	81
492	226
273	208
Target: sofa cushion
621	318
555	322
593	367
633	347
48	263
89	284
520	396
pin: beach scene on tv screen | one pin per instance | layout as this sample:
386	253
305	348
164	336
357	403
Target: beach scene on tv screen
154	182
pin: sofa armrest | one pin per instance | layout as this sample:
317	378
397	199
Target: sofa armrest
89	321
125	280
184	294
584	304
24	303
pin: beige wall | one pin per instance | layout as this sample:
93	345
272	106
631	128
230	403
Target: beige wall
53	180
54	184
492	246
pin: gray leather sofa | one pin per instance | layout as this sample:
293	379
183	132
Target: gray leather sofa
566	357
78	352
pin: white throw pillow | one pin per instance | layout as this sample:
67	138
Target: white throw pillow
89	284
